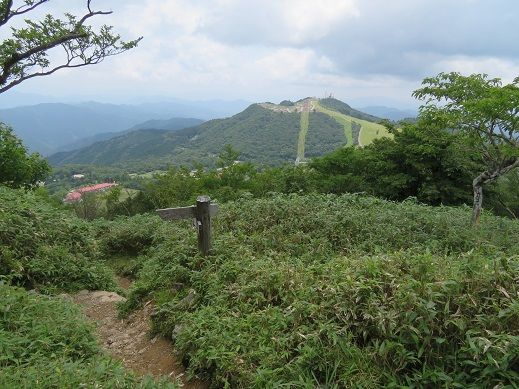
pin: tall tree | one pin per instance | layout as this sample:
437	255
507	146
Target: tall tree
26	52
484	109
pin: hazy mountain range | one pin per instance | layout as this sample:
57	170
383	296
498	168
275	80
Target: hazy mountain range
390	113
51	127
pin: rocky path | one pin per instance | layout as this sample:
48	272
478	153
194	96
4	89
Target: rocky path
128	339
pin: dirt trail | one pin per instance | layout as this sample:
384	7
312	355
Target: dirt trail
128	340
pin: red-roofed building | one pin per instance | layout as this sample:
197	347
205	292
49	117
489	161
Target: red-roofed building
75	195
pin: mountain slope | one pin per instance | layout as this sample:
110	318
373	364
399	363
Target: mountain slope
155	124
264	133
167	124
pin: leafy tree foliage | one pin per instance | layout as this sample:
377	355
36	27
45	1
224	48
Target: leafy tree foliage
26	52
227	156
18	168
504	198
425	162
486	111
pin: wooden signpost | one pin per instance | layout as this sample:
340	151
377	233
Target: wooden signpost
202	212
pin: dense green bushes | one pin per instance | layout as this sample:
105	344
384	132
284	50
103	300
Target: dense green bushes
343	291
46	343
428	163
45	248
301	291
18	168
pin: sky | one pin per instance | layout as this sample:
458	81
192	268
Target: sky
364	52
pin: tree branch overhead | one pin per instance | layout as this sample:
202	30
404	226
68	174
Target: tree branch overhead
24	55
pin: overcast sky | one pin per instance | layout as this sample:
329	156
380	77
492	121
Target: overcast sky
365	52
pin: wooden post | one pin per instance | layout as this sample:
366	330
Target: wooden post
202	212
203	219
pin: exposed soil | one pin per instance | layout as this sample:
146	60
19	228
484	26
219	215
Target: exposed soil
124	282
128	340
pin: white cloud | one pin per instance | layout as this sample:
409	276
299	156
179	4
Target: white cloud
505	69
268	49
310	20
277	22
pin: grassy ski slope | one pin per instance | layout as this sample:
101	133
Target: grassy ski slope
369	130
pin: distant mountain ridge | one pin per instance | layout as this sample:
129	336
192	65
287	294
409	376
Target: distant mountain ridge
390	113
265	133
51	127
167	124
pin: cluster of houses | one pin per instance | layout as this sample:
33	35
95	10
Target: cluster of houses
75	195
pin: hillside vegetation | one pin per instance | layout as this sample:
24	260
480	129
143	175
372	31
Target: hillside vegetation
167	124
300	291
334	291
357	129
45	340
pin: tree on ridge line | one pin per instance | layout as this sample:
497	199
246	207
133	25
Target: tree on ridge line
483	109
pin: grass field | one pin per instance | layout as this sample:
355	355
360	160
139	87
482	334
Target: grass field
302	135
148	174
371	131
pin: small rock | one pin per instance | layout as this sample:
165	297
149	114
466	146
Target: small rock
107	297
176	331
66	297
189	300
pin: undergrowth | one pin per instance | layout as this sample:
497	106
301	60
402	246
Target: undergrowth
47	249
46	343
337	291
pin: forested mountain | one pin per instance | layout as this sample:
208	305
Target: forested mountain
264	133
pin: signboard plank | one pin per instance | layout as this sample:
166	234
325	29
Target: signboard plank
177	213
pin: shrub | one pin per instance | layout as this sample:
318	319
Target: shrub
45	248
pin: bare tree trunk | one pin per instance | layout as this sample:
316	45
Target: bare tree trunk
483	179
478	200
